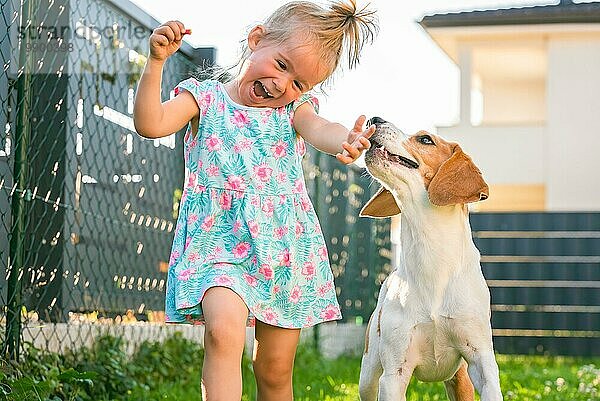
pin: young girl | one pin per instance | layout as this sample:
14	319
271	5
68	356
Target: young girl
248	248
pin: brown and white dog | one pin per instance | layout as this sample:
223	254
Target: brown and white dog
432	319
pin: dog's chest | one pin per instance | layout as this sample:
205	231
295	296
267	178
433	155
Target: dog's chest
435	354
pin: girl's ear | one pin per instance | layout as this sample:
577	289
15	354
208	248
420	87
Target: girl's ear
256	35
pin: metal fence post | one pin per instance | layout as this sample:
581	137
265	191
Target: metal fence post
20	192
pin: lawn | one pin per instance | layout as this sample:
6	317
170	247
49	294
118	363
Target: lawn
170	371
523	378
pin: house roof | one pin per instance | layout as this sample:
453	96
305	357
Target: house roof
564	12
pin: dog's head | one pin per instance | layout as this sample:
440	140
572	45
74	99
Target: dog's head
419	168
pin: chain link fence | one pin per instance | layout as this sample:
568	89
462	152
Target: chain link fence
88	207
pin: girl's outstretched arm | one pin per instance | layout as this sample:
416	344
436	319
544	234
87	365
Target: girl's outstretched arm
333	138
153	119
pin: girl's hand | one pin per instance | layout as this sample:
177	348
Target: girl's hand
357	142
166	40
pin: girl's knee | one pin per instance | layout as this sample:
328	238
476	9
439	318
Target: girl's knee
274	373
223	333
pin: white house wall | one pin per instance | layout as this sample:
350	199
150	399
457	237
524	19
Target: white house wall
504	154
514	102
572	156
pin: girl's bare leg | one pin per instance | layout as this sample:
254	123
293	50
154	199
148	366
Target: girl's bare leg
225	314
274	352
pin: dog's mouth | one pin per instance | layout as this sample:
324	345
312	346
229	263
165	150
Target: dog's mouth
381	151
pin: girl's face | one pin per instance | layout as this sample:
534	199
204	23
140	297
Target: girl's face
276	74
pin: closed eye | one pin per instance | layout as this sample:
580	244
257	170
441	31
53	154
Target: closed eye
282	65
425	140
298	85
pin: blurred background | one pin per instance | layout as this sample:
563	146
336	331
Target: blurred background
88	207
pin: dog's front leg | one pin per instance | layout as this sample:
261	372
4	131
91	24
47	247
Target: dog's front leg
397	368
483	371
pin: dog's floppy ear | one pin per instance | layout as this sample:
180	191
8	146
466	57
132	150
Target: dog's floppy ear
458	180
381	205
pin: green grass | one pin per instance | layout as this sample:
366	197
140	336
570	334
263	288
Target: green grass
171	370
523	378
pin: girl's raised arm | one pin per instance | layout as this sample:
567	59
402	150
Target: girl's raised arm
153	119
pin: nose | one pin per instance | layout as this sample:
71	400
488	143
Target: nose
375	121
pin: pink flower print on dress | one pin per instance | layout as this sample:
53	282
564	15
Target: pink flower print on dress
240	118
299	229
224	280
255	200
212	170
191	179
276	289
279	149
199	189
174	256
192	218
305	203
185	275
235	183
263	172
308	269
284	257
241	250
282	199
300	147
208	222
243	145
213	143
220	107
193	257
309	320
295	294
265	114
236	226
266	271
225	201
251	280
330	312
205	99
270	316
298	186
280	232
324	289
254	228
323	253
268	207
187	242
281	177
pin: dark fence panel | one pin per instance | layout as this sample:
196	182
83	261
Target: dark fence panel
359	248
543	270
87	206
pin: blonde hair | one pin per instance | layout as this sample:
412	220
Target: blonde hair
332	30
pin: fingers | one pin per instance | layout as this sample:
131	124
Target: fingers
172	30
359	123
370	132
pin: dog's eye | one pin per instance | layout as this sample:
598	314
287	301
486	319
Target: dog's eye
425	140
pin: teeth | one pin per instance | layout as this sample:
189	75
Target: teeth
267	91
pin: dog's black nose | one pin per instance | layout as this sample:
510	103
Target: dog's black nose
375	121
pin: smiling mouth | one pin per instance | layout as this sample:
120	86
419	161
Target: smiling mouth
394	158
261	91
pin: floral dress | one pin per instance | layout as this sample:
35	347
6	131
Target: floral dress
245	220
